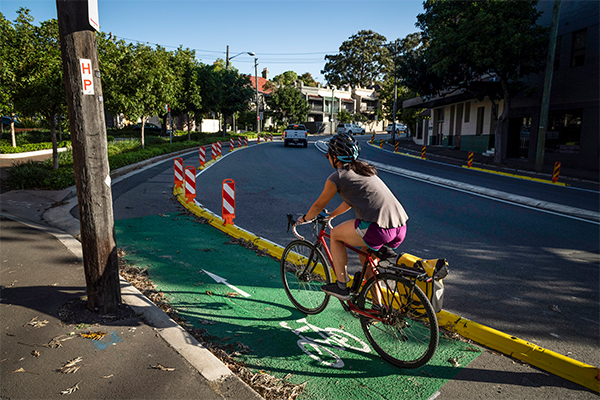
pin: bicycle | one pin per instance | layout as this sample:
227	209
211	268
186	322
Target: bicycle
396	316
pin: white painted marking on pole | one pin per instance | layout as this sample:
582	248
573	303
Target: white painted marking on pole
107	181
218	279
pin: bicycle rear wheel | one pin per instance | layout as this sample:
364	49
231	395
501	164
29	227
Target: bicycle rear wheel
408	335
303	272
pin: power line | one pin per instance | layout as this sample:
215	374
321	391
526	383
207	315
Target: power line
222	52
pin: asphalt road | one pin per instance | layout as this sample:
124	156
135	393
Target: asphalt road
525	272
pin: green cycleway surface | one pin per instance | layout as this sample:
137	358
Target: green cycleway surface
328	351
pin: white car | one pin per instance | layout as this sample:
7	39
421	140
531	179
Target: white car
399	127
351	129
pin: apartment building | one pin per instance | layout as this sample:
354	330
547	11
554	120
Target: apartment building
572	137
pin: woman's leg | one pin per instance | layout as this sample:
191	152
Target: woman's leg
343	233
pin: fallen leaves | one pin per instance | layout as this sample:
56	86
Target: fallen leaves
93	335
23	370
160	367
71	367
454	362
37	323
71	389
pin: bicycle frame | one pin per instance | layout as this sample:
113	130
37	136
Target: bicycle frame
369	263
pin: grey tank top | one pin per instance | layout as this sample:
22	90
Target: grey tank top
371	199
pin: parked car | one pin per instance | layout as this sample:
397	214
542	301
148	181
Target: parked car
350	129
399	127
6	122
148	127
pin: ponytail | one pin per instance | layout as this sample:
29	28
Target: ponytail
361	168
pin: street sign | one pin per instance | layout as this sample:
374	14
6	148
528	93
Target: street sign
87	81
93	14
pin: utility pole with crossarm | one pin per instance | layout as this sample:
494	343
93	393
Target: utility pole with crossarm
77	20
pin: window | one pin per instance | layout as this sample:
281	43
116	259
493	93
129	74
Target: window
578	48
557	53
564	131
440	114
467	111
480	116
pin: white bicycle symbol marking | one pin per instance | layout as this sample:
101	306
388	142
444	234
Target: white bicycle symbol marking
331	337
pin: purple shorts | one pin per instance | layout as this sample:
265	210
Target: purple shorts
375	237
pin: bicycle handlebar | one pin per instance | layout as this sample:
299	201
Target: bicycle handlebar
321	218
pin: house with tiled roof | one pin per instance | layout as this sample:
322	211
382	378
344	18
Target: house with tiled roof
262	93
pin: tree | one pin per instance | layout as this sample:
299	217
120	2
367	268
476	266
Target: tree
308	79
399	51
187	91
209	82
112	57
362	59
9	57
45	93
148	83
236	93
288	78
344	116
288	100
467	41
32	74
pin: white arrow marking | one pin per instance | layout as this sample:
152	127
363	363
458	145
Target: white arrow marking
218	279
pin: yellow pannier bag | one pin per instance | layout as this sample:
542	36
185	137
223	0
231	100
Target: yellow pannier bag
437	269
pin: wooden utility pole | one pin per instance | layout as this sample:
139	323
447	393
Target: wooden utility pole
90	157
543	127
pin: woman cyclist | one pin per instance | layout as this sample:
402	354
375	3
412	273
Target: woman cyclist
380	218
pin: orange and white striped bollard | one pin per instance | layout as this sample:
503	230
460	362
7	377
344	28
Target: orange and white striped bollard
190	184
178	167
228	194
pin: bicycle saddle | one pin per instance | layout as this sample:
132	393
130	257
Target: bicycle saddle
384	253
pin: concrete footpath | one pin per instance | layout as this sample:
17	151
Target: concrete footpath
139	354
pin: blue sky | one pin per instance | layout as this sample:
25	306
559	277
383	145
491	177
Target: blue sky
285	34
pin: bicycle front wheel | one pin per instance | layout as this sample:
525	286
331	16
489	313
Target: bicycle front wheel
408	334
303	272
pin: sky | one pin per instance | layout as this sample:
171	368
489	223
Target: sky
284	34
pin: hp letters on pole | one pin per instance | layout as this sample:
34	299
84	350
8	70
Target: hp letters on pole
87	81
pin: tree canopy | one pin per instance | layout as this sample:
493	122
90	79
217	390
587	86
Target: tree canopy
362	59
466	42
287	102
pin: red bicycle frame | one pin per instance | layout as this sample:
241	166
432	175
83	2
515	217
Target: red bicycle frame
348	305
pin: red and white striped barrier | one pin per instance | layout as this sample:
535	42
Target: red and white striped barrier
271	136
245	141
257	138
178	167
231	145
219	149
190	184
239	141
213	151
202	156
228	210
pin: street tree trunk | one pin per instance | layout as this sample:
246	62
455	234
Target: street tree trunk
51	120
13	137
500	129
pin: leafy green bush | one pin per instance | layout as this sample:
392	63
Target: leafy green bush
6	148
28	175
41	175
